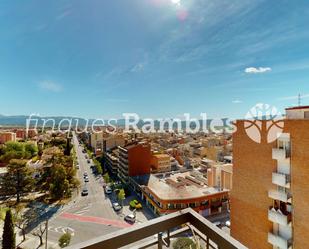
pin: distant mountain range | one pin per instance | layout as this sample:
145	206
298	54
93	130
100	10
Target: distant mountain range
21	120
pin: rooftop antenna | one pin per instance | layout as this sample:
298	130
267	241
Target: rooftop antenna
299	99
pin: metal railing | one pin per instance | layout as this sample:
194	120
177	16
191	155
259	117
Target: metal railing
171	225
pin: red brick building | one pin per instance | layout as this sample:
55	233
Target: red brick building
270	195
134	160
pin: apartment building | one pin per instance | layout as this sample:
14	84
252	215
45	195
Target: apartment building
134	159
169	192
112	161
160	163
112	141
20	133
270	197
7	136
96	142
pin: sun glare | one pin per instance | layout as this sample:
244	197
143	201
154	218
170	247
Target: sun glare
177	2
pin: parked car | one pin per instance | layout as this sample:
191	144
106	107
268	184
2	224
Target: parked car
86	179
108	190
116	206
88	161
130	218
84	191
85	174
77	166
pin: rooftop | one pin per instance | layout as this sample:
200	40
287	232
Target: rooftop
297	107
177	186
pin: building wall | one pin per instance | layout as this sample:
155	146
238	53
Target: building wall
226	180
7	137
184	203
299	135
252	175
139	157
161	162
21	134
113	141
252	178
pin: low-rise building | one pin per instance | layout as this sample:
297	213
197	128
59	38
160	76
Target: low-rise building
169	192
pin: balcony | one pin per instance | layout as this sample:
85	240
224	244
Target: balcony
280	179
277	240
279	217
170	225
123	165
280	154
279	195
123	159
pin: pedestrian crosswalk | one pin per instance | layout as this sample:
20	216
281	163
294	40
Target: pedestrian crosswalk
84	209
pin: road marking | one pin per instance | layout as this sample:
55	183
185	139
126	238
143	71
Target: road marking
97	220
62	229
84	209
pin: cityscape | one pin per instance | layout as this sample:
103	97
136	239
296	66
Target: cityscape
169	124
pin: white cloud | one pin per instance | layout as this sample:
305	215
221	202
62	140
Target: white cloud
257	69
138	67
50	86
237	101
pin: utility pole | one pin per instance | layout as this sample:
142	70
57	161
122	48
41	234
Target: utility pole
46	235
299	99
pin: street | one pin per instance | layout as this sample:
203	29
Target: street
85	217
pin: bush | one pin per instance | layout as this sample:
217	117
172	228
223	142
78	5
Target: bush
64	240
184	243
135	204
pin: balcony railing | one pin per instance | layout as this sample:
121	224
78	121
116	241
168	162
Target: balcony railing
172	224
279	195
280	154
281	179
279	217
279	241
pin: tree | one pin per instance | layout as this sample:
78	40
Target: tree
21	220
18	179
31	150
98	166
67	151
64	240
121	196
40	232
8	237
184	243
13	150
106	178
59	186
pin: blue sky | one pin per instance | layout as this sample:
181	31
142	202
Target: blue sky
158	58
